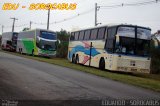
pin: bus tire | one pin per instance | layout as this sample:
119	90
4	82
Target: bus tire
21	51
73	58
102	64
33	52
77	59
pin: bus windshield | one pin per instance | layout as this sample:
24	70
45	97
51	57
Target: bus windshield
48	35
47	45
127	46
142	48
130	45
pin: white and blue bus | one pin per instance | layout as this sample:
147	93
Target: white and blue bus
119	47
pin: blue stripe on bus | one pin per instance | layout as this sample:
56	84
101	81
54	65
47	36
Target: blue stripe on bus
86	51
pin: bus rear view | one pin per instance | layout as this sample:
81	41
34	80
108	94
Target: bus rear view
9	41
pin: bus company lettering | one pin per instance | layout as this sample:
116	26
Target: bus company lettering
10	6
41	6
54	6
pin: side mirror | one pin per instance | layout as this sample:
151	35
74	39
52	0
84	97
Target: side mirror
155	43
38	39
117	40
117	44
58	41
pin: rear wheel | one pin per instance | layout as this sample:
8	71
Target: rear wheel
73	59
21	51
102	64
32	52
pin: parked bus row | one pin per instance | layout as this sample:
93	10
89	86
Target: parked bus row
118	47
34	42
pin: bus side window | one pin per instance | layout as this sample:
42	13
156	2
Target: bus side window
110	39
72	36
101	33
81	36
9	42
87	34
76	35
106	33
94	33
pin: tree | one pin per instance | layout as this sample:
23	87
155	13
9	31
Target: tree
26	29
155	55
62	48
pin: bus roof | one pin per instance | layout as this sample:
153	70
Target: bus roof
8	32
36	29
111	25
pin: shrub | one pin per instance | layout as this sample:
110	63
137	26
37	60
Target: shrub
155	62
62	48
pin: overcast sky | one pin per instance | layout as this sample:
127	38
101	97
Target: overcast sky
147	15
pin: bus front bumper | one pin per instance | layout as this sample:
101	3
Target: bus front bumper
141	65
132	69
47	55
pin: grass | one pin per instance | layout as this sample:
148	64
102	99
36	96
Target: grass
149	81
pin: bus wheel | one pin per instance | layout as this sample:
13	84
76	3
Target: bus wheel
73	59
32	52
102	64
77	59
21	51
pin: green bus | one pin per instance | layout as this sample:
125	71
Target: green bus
37	42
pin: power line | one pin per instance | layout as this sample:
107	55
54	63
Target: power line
130	4
67	19
102	7
92	9
22	25
70	18
16	26
142	3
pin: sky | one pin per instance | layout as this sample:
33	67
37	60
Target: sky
144	15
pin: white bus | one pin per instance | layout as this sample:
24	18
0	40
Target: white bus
37	42
112	47
9	41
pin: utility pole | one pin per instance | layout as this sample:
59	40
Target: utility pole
2	28
96	9
30	25
48	19
95	14
13	23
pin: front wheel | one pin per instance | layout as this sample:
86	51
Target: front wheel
102	64
32	52
77	59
